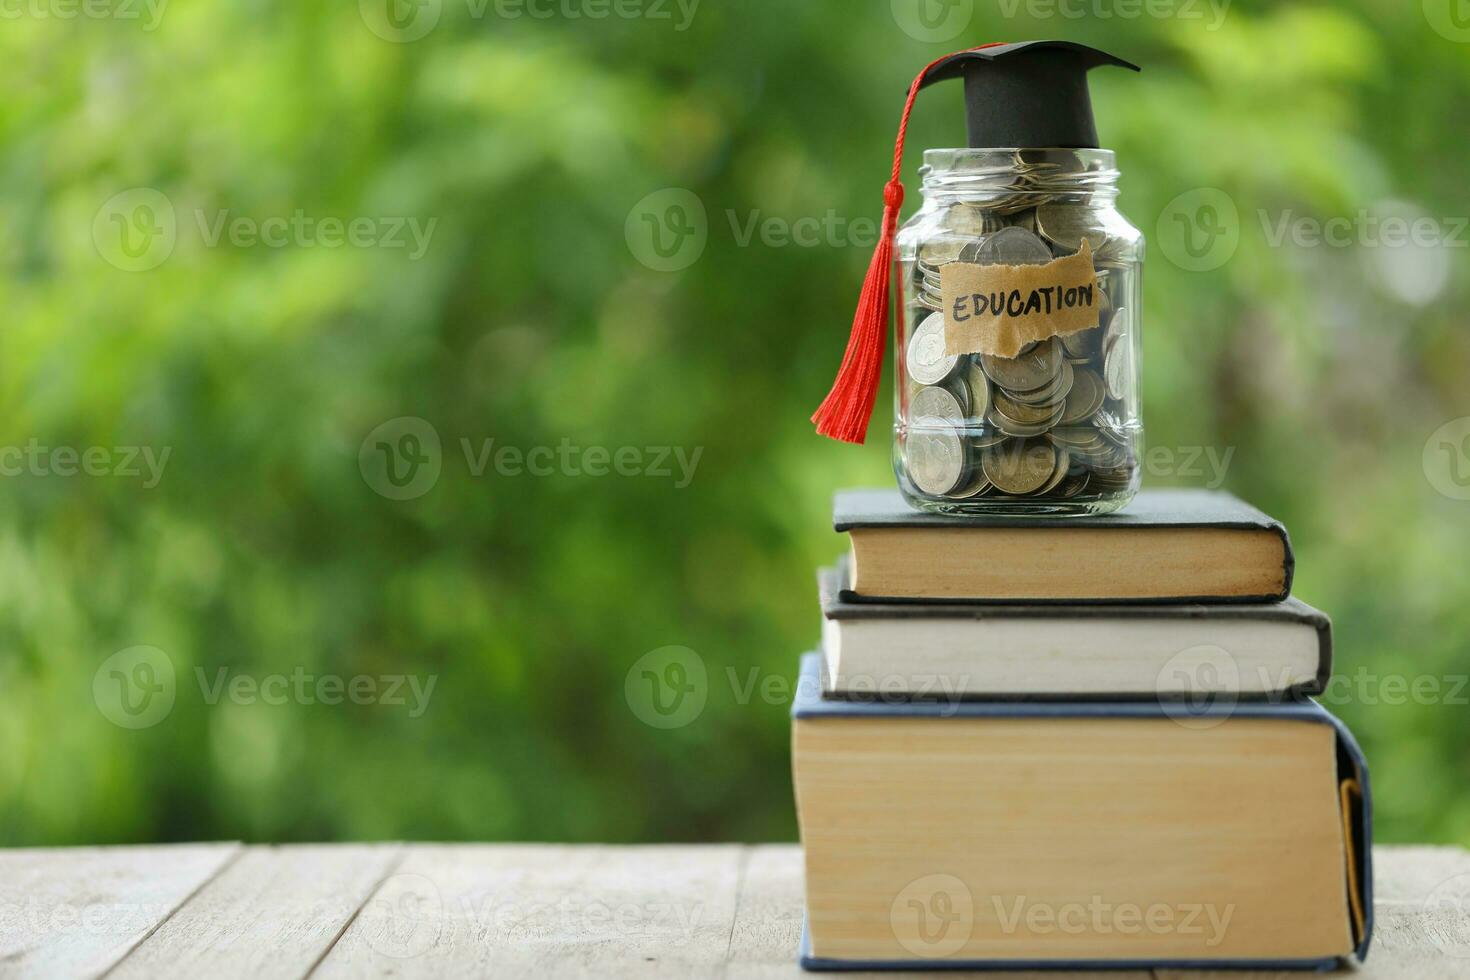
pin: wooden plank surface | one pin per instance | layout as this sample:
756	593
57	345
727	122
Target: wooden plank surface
526	911
77	912
273	913
427	910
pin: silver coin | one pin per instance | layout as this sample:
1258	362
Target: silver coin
1031	369
1050	393
926	360
1118	365
1068	225
1025	219
936	402
1117	324
1085	398
1010	246
935	456
979	387
941	251
972	220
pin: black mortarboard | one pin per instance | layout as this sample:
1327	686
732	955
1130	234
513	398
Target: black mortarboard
1027	94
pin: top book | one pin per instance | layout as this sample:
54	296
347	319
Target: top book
1167	546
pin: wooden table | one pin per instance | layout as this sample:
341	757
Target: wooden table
508	910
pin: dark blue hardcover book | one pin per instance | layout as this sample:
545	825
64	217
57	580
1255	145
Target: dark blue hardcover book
1166	546
965	835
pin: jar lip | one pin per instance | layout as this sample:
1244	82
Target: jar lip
1009	169
1087	158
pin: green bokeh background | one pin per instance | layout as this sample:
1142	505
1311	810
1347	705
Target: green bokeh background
530	320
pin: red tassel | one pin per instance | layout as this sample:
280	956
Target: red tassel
845	412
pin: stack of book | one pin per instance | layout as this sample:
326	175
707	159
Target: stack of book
1075	743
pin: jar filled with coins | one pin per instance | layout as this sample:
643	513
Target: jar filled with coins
1056	428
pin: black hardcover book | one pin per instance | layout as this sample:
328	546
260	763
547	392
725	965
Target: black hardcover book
1167	546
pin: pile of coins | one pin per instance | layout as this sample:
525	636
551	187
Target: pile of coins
1052	422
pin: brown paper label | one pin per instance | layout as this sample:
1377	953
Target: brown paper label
1000	309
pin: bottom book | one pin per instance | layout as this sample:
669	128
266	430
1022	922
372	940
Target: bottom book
976	835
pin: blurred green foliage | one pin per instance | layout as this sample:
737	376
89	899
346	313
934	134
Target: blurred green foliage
529	320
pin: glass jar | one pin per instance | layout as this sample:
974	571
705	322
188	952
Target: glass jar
1057	429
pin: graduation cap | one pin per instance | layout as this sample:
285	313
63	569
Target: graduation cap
1031	94
1027	95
